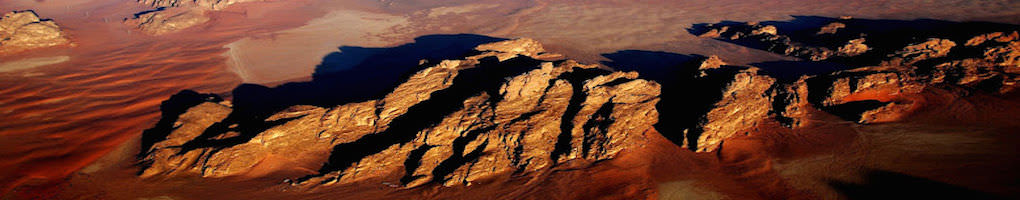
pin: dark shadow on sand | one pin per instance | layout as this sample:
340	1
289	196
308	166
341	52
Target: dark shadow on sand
685	97
880	184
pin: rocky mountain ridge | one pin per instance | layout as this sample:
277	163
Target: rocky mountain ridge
513	109
499	112
901	83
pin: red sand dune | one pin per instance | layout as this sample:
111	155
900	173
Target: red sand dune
59	118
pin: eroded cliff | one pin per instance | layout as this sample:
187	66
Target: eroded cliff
496	113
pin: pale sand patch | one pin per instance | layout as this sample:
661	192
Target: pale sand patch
686	189
294	53
456	10
32	63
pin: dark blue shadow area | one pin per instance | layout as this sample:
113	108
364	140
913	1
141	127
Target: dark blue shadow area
880	184
685	97
662	67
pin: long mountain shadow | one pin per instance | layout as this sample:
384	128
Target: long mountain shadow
879	184
684	98
352	74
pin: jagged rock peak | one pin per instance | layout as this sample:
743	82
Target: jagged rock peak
24	30
454	123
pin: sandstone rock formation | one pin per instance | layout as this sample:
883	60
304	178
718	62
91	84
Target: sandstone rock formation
907	78
497	113
505	111
745	100
23	30
175	15
769	37
203	4
166	20
832	28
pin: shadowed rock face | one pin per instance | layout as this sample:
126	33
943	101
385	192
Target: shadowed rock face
498	112
23	30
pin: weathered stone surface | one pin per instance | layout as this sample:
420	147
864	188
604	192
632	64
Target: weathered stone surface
712	62
746	101
170	16
933	48
24	30
164	21
460	125
831	28
203	4
893	89
852	48
768	36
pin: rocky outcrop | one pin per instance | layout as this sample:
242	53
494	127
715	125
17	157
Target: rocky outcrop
768	37
745	100
24	30
169	16
202	4
831	28
933	48
853	48
497	113
164	21
901	83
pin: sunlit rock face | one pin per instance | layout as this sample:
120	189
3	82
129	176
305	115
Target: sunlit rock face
497	113
163	21
23	30
903	80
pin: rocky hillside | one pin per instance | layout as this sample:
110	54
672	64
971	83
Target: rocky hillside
512	109
497	113
23	30
903	80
